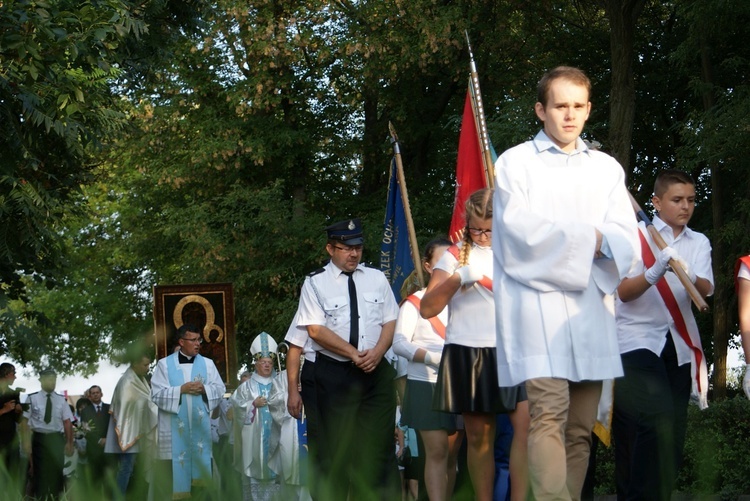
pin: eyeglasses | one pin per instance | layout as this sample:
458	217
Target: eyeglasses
198	340
476	232
349	248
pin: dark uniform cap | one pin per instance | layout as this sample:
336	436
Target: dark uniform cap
48	372
347	232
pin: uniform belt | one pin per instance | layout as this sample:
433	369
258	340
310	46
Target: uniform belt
323	356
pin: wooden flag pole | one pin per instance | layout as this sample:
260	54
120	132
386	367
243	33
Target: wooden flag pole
405	199
481	123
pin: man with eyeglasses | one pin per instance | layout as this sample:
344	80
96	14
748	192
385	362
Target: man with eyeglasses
186	387
349	311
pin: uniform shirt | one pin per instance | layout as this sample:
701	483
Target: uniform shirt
414	332
555	304
329	306
644	322
35	414
298	336
471	318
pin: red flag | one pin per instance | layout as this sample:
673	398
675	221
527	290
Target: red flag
470	175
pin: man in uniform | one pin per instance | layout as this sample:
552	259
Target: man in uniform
187	388
350	313
48	437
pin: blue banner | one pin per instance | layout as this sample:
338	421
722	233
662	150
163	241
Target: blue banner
303	450
395	254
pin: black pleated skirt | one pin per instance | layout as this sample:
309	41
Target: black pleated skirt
467	382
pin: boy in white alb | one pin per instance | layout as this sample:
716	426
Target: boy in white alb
564	235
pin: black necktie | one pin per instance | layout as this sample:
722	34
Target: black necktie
183	359
98	409
353	311
48	409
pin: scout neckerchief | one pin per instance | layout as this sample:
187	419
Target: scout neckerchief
437	325
191	431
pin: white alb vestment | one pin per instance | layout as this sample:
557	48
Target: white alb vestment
167	398
554	301
289	439
259	438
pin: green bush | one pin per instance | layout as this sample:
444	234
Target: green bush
716	450
717	453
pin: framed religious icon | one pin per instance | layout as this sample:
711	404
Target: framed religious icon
210	307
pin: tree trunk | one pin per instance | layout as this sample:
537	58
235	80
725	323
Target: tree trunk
721	294
622	15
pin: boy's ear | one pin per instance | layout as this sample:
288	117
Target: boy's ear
657	203
539	110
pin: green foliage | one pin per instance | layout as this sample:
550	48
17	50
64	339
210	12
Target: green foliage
56	60
714	136
249	127
604	473
716	459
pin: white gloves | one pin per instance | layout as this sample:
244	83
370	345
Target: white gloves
659	268
469	274
746	381
691	275
432	358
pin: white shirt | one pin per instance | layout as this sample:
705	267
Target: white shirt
329	307
555	305
744	272
298	336
643	323
471	317
414	332
35	414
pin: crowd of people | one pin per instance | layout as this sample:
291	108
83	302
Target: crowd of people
496	371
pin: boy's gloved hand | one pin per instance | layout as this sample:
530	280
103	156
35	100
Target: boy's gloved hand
661	265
